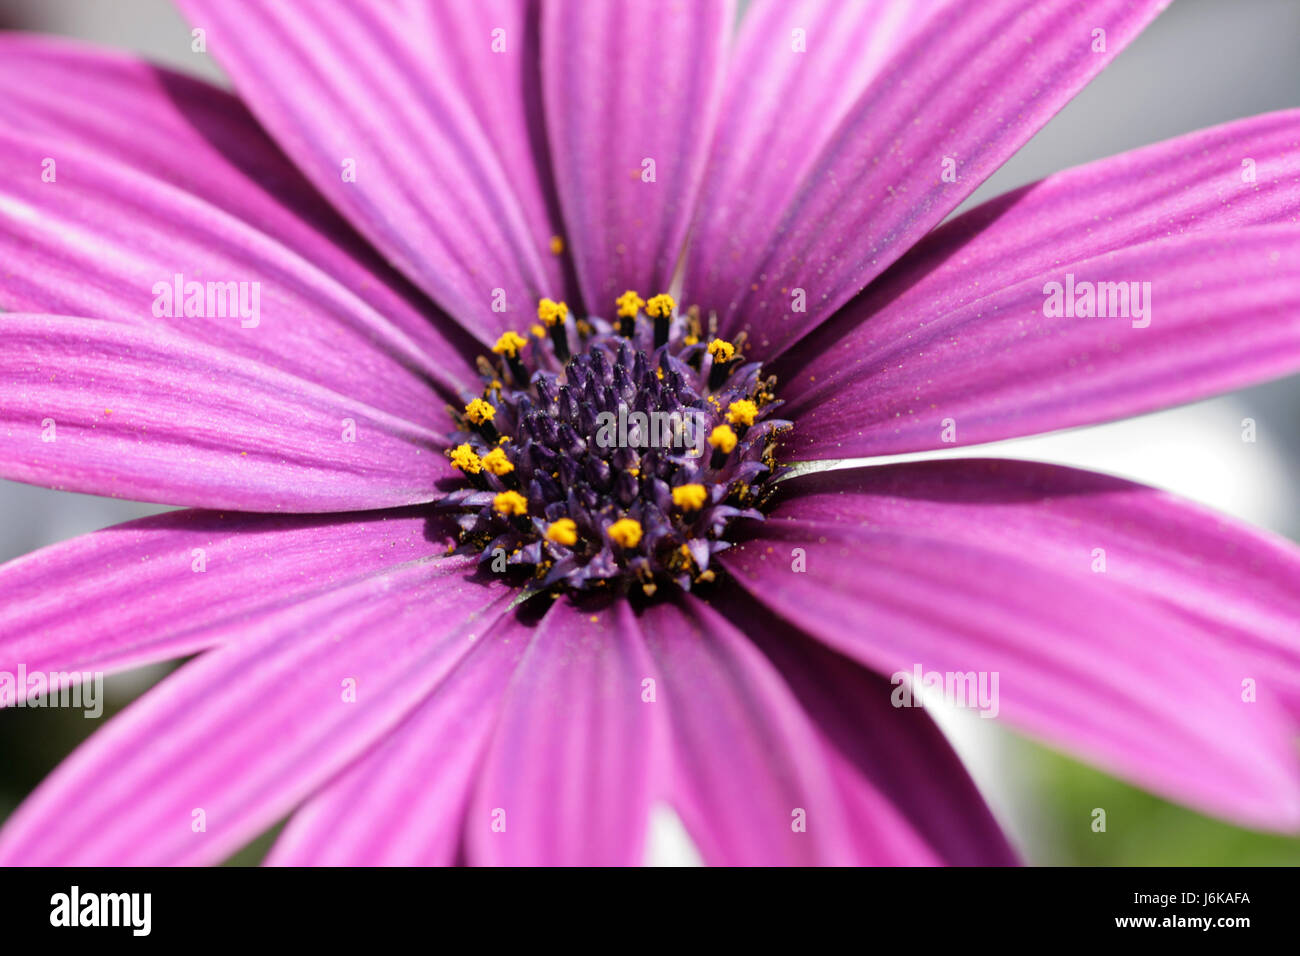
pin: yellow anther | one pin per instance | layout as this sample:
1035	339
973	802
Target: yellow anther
629	304
690	497
510	503
479	411
563	531
557	245
660	306
722	350
552	313
723	438
742	412
625	532
509	344
496	462
538	331
463	457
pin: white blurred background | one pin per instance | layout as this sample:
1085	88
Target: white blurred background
1203	62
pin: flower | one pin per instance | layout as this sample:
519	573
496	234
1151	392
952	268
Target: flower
736	654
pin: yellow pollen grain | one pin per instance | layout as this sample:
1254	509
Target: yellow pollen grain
463	457
629	304
496	462
625	532
557	245
510	503
552	313
722	350
563	531
723	438
537	330
509	344
690	497
660	306
742	412
479	411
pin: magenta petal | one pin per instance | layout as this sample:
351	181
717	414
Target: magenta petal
1244	173
431	189
1195	183
404	802
502	84
170	585
959	566
819	54
874	746
1222	311
1220	580
156	175
972	85
749	765
567	779
244	733
112	409
627	85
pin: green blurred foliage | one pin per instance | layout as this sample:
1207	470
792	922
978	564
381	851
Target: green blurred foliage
1141	829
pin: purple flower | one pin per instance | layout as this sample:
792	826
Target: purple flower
431	645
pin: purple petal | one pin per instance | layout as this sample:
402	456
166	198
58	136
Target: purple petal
404	802
244	733
157	175
819	54
167	586
627	84
1220	310
749	765
972	85
874	746
572	760
1223	581
503	88
1193	183
116	410
431	190
988	566
1244	173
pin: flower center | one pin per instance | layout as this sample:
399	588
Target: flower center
603	455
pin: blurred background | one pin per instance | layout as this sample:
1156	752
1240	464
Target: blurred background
1201	63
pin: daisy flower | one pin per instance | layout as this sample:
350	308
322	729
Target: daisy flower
508	356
